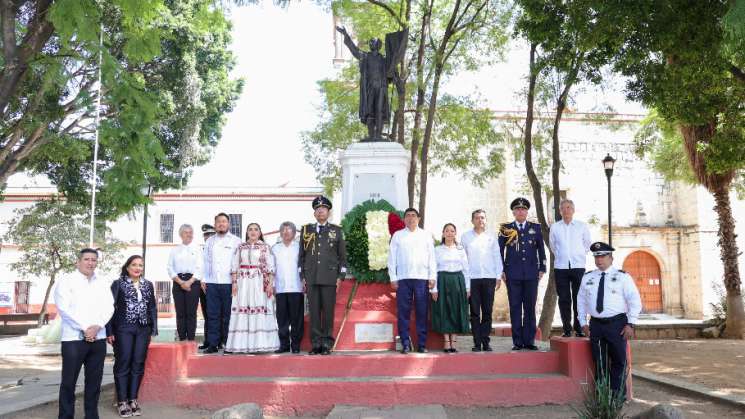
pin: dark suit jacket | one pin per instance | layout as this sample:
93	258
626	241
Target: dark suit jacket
323	257
524	257
120	304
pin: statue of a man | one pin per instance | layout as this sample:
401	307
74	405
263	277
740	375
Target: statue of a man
375	72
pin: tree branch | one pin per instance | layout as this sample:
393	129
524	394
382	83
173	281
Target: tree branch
390	11
8	23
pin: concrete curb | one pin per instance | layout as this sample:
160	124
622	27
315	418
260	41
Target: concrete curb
694	389
43	399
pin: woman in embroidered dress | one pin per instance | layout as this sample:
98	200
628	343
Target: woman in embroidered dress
134	321
450	309
253	323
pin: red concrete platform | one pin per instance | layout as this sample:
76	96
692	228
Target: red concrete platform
292	384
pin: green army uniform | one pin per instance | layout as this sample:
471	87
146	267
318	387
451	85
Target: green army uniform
323	261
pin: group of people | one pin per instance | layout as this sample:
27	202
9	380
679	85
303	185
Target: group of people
252	294
95	311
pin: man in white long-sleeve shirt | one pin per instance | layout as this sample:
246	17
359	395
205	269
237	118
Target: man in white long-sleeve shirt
218	257
610	297
485	272
413	271
85	304
570	241
184	269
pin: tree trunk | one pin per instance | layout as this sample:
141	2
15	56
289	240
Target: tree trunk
417	130
549	298
46	299
735	326
426	142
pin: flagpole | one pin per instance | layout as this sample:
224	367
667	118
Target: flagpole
95	141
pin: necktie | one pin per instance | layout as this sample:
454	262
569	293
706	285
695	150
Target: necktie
601	294
320	228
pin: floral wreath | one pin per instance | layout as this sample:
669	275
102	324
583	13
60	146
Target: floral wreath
368	228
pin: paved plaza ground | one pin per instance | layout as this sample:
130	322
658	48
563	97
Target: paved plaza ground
716	364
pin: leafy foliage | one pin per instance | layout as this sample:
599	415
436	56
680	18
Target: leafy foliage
165	91
355	235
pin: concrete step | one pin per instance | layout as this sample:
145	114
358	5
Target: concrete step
318	395
366	364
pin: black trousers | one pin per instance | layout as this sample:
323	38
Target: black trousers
75	354
482	303
567	286
186	303
290	307
609	350
322	301
203	305
130	351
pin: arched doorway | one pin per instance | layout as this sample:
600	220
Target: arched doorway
645	270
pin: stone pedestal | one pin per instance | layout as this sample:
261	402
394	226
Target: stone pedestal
375	170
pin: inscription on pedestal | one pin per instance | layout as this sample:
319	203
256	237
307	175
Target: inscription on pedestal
375	186
373	332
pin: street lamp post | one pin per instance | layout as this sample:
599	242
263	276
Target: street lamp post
608	163
146	191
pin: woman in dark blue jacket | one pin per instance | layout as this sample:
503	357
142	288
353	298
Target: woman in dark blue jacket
135	320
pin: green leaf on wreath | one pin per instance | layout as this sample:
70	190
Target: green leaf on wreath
355	235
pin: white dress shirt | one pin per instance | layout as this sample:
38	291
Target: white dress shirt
185	258
619	296
287	277
482	249
570	244
453	259
82	303
218	258
412	256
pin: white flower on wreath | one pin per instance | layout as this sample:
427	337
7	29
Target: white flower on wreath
378	239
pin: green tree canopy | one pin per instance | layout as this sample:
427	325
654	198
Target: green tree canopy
165	91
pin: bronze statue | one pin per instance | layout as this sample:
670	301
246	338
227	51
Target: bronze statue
376	71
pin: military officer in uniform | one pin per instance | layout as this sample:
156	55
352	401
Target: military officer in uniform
323	263
521	248
609	296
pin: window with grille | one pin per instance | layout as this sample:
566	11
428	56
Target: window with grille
236	224
166	228
163	296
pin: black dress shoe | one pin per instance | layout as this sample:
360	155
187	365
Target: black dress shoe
516	348
531	347
453	350
211	350
476	349
422	350
405	350
203	346
566	335
282	350
325	351
580	335
296	350
315	351
486	348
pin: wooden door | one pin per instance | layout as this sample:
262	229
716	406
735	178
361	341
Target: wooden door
645	270
22	292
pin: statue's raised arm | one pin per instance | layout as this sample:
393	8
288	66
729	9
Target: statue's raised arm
349	43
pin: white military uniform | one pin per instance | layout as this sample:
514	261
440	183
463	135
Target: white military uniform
620	296
621	306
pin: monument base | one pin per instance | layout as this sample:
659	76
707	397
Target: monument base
374	170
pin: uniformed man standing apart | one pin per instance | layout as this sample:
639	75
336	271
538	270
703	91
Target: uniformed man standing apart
521	246
570	241
610	297
323	263
412	268
485	273
218	258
